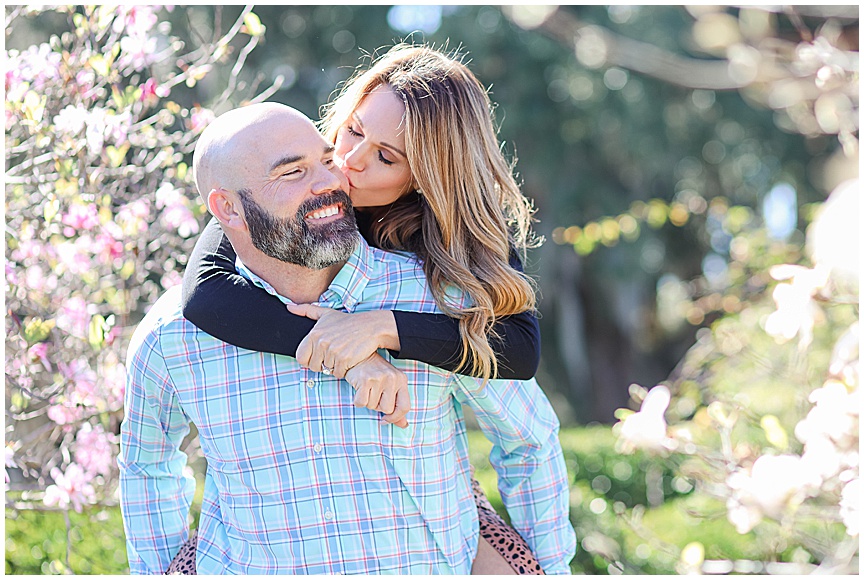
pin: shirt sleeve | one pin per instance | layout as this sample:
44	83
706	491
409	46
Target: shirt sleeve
518	419
435	340
155	494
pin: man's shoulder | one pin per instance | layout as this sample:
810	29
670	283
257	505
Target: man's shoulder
396	267
166	312
398	280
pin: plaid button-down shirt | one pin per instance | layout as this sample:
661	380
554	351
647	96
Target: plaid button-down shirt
299	480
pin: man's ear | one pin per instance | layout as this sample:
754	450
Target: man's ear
226	207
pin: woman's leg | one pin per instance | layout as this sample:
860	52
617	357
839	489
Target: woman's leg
501	550
183	563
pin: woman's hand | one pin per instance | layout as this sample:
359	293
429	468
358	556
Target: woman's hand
340	341
381	387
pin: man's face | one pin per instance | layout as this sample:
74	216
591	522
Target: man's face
297	240
296	207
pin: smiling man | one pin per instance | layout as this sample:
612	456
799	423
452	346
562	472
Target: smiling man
299	479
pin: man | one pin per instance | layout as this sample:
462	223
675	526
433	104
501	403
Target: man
300	480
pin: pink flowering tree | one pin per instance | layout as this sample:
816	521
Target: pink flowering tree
100	214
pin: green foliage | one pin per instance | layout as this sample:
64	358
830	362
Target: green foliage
36	542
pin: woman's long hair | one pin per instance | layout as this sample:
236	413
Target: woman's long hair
465	211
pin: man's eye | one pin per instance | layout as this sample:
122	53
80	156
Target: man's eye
291	172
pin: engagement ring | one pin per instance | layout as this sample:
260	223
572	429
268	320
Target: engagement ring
326	370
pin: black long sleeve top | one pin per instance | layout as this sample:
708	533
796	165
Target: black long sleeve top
226	305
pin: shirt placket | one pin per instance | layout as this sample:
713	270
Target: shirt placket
315	383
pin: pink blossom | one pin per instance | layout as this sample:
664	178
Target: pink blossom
39	352
136	20
76	256
201	117
171	278
133	217
35	279
94	449
74	317
176	214
136	51
11	274
70	488
65	413
81	217
179	217
37	65
31	249
113	375
107	248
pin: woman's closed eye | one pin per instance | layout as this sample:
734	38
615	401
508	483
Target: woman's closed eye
381	157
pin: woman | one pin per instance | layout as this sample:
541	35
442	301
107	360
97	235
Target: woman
414	136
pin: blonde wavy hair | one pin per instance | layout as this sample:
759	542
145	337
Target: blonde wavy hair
465	211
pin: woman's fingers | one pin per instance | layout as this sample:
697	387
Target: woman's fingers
307	310
402	405
305	350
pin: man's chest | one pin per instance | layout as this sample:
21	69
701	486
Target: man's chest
261	413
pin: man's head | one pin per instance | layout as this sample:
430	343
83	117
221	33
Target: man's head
269	178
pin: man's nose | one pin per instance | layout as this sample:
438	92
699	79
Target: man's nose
329	178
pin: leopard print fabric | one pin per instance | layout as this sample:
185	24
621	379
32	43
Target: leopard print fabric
507	541
183	563
494	530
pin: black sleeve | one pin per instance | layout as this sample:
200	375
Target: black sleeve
223	303
435	339
226	305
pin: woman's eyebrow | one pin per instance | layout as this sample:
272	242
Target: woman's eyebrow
384	143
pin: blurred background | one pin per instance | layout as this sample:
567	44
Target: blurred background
674	153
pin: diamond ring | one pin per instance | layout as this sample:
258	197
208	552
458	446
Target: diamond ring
326	370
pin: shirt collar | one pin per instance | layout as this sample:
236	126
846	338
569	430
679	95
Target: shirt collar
346	289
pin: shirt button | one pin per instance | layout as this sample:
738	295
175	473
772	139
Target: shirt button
328	515
310	383
318	447
349	303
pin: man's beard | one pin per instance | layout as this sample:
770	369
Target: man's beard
292	240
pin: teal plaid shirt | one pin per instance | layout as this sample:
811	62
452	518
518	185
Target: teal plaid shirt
299	480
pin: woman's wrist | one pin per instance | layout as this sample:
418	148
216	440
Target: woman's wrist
385	329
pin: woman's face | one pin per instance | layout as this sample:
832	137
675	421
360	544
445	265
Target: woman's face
370	150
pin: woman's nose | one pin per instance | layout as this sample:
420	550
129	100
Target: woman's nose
354	158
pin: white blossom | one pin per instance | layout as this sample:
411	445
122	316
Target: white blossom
834	416
647	428
850	510
796	312
773	484
833	237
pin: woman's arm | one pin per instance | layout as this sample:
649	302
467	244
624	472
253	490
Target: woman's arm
224	304
437	338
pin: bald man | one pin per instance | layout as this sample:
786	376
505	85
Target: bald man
299	480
